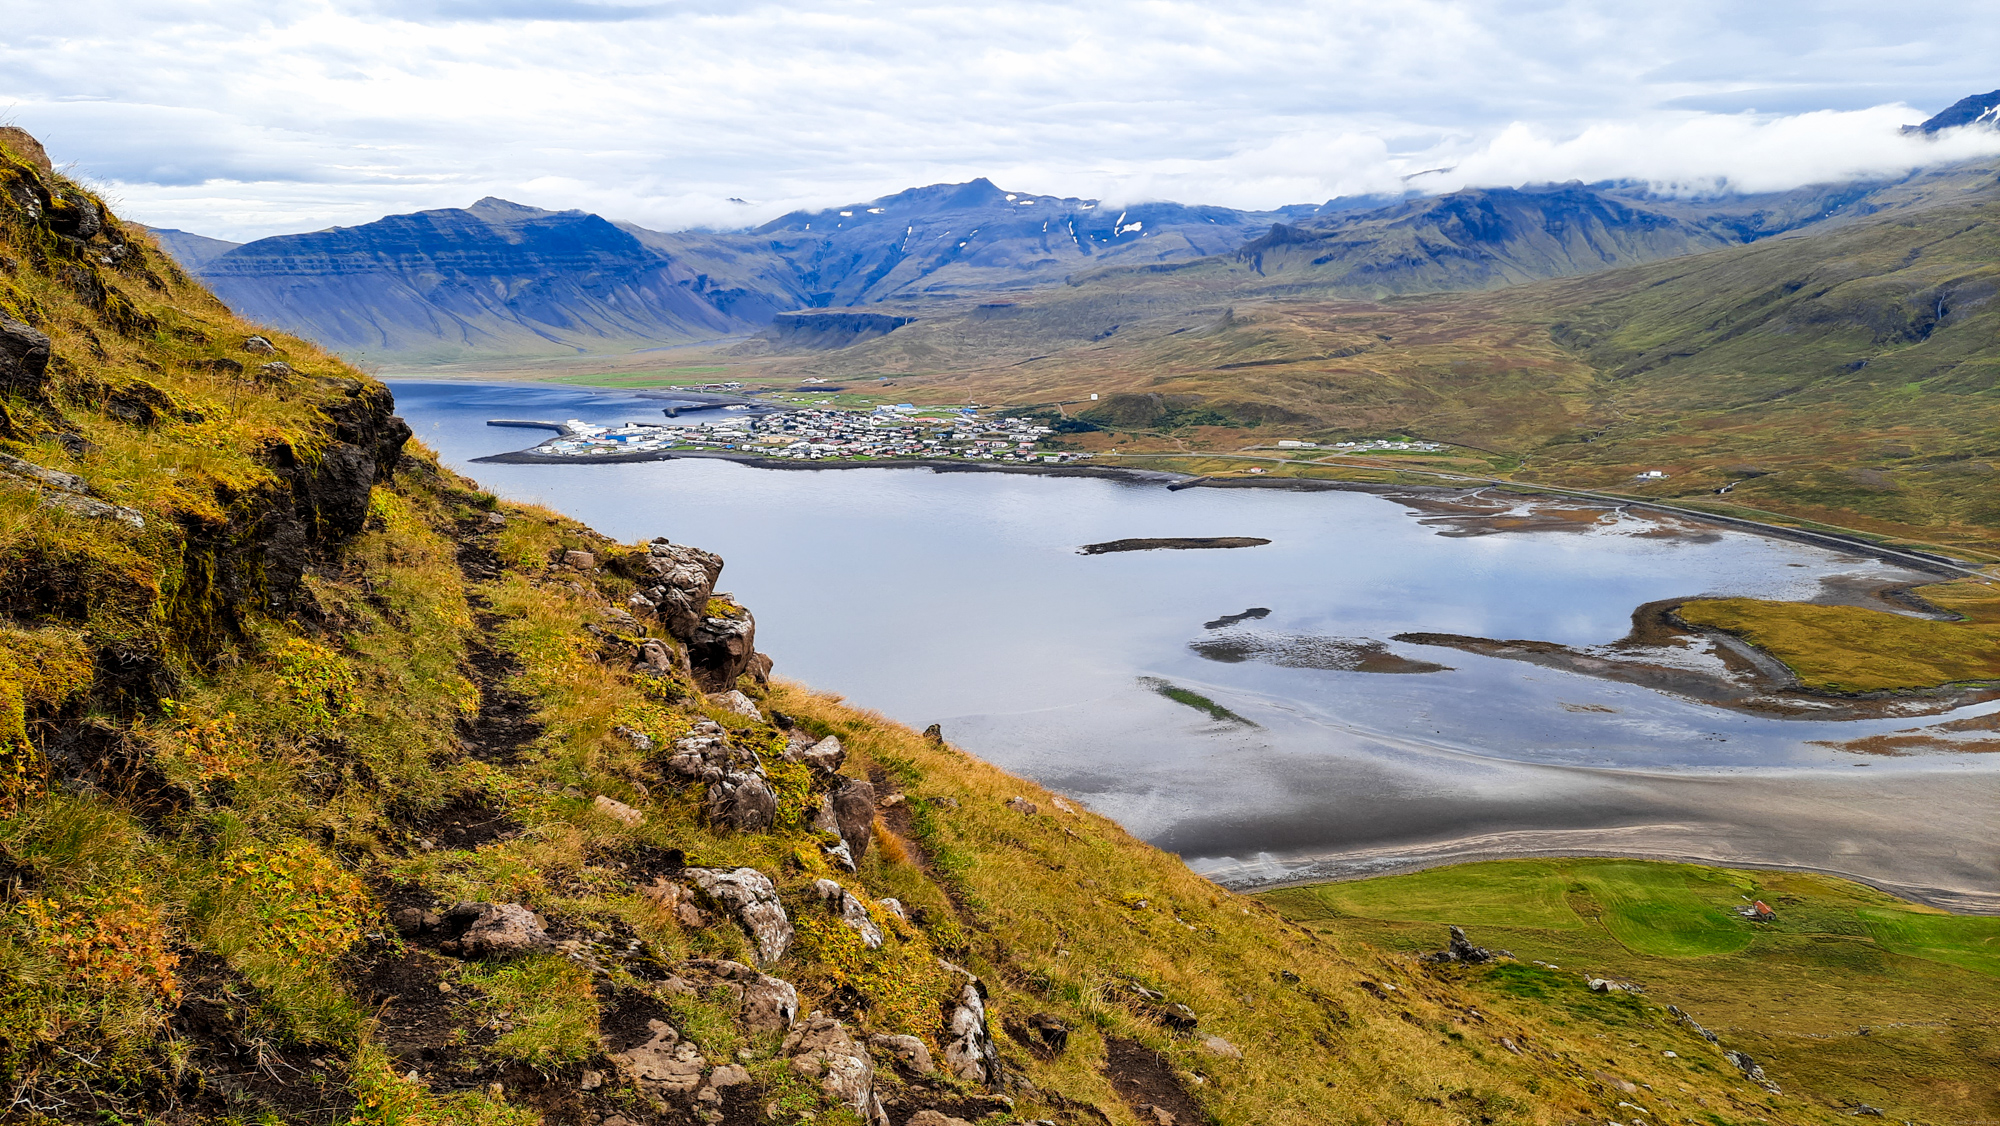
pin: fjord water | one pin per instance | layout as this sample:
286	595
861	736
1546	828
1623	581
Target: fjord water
960	598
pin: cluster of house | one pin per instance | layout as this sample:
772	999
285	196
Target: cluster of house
1365	445
810	434
904	431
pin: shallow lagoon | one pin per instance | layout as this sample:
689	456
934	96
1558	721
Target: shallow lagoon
961	599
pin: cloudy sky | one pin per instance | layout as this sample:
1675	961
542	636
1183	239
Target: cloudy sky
239	118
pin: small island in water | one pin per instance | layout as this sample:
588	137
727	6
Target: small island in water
1170	543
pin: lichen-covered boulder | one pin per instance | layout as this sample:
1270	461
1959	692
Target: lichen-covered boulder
752	899
821	1049
969	1050
854	813
679	580
908	1052
851	911
742	801
496	930
722	647
664	1064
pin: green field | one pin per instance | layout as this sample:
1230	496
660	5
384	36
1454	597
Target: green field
1849	997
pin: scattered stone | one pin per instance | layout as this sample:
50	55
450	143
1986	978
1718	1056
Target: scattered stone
909	1053
590	1080
498	930
945	802
821	1049
1606	985
892	801
24	359
663	1065
743	801
678	901
935	1118
1863	1110
969	1051
1221	1049
935	734
1172	1014
1461	950
841	854
769	1004
751	897
1062	805
1509	1044
496	519
618	811
894	907
1625	1085
639	740
729	1075
825	756
1681	1016
1751	1070
851	910
736	702
259	346
704	753
854	815
1052	1032
277	371
1022	806
622	620
582	560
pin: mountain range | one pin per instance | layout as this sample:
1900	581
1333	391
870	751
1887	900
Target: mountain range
501	279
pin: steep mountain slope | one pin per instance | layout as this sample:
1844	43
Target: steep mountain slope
335	791
192	251
494	278
1978	109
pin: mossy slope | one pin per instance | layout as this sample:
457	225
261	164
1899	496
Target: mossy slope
316	684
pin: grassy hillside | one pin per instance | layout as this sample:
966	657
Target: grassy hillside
337	791
1848	996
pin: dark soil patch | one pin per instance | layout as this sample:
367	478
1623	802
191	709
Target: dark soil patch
506	723
465	822
623	1016
903	1105
1144	1079
422	1027
241	1068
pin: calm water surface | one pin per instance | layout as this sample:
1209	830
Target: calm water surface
960	598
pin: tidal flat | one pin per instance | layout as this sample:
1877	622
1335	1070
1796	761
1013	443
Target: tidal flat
961	599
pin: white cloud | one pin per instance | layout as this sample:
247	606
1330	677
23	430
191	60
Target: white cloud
247	117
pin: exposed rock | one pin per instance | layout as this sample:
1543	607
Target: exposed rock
935	734
682	579
1063	806
729	1075
1681	1015
1751	1069
24	359
639	740
1022	806
894	907
769	1004
759	669
935	1118
841	854
277	371
678	901
736	702
826	756
259	346
582	560
1051	1031
412	921
908	1052
851	910
497	930
821	1049
1221	1049
743	801
705	755
854	814
721	648
663	1065
618	811
1462	950
622	620
655	659
590	1080
750	896
55	478
1172	1014
1606	985
25	146
969	1051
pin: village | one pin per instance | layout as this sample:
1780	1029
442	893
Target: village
811	434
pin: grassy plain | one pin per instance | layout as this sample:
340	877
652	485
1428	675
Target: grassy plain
1850	997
